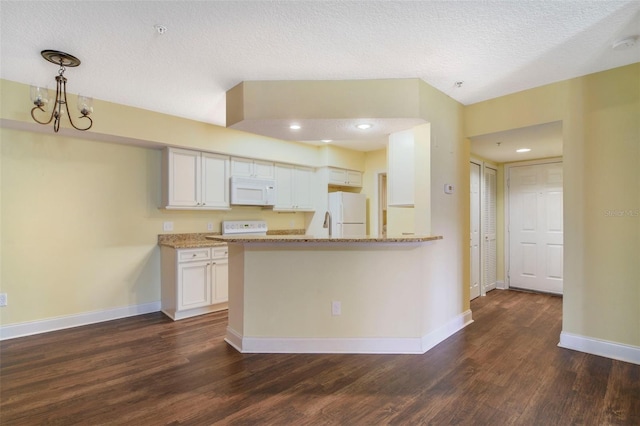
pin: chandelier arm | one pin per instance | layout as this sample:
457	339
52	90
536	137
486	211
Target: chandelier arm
82	116
41	109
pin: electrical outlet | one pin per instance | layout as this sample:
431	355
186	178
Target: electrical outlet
209	226
336	308
167	226
3	299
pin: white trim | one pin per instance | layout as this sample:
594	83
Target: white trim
13	331
599	347
500	285
449	329
234	339
408	345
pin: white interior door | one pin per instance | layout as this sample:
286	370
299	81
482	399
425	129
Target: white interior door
489	225
475	232
535	227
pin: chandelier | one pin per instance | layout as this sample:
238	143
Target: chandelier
40	95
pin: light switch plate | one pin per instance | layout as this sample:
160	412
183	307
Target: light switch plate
336	308
167	226
448	188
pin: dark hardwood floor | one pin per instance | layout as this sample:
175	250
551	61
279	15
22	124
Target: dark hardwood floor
505	368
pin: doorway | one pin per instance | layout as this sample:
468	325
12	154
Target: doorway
535	226
382	204
489	226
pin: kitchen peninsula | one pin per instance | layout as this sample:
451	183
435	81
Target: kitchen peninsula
301	294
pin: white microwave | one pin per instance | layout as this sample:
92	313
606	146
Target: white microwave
247	191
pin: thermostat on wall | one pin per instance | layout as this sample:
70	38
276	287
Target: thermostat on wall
448	188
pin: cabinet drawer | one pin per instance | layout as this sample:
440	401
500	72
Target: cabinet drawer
220	252
194	254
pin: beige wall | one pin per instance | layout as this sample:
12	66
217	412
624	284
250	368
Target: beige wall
601	137
80	217
449	212
80	221
93	230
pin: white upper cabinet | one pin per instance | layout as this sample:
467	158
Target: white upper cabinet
294	188
343	177
195	180
401	169
215	180
247	167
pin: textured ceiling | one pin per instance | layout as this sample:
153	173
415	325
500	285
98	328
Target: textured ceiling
494	47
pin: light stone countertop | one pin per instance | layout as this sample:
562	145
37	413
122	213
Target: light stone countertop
186	241
204	240
313	239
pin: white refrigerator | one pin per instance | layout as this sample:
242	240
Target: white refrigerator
348	214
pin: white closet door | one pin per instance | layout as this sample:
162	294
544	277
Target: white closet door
489	249
536	229
475	232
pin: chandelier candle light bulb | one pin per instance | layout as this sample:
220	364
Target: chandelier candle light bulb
40	96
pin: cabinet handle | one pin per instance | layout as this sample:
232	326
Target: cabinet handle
194	255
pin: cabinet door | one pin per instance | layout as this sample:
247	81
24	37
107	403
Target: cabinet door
252	168
263	169
401	169
194	284
337	177
354	178
215	180
303	188
284	186
183	178
220	280
241	167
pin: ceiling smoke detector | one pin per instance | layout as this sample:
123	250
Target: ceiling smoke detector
161	29
624	43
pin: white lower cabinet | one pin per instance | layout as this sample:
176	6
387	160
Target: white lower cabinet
194	281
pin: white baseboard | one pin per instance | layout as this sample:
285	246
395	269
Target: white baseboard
450	328
500	285
599	347
59	323
409	345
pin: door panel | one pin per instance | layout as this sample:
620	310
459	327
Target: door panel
489	225
536	227
475	232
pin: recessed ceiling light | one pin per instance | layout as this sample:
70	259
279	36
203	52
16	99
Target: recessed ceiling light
523	150
295	127
327	140
363	126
